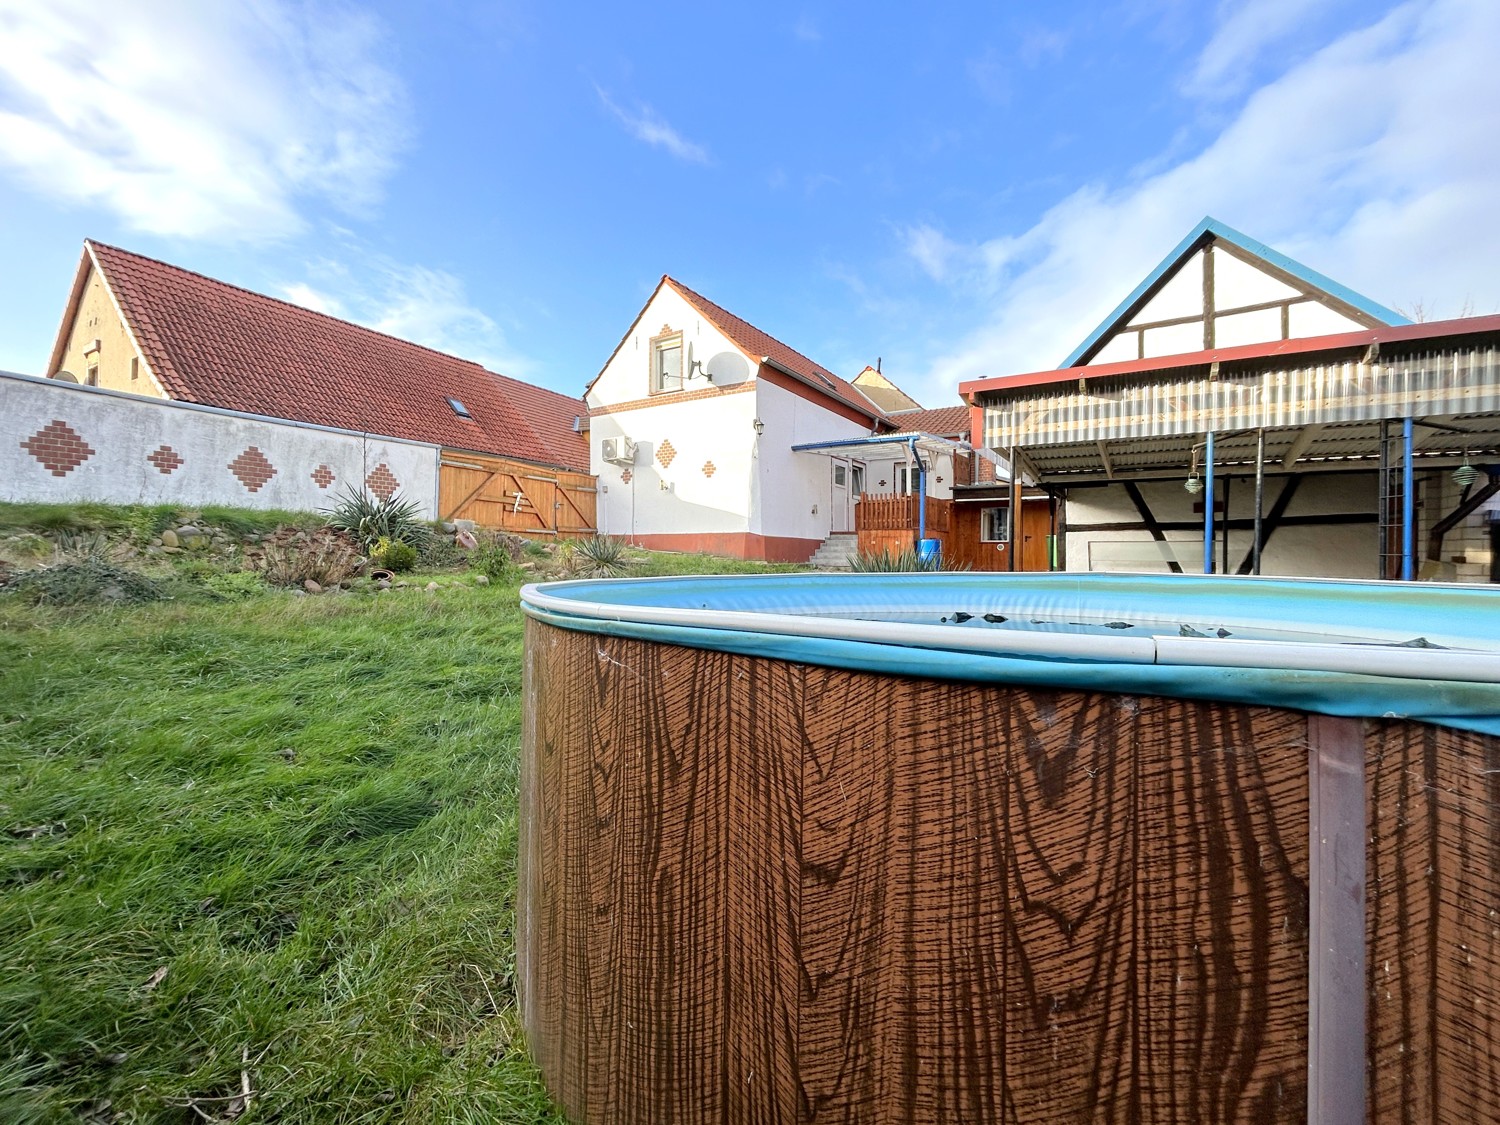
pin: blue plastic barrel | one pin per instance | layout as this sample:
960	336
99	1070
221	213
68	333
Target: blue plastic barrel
930	552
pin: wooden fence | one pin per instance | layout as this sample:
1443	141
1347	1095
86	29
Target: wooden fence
514	496
899	513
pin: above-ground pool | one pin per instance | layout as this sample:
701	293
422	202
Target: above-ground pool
1054	847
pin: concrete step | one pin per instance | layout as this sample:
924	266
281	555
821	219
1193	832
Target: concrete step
835	552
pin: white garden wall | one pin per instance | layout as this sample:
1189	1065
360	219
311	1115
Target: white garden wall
63	442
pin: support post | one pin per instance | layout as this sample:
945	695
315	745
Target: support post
1208	505
1336	1012
1260	496
1408	506
1015	509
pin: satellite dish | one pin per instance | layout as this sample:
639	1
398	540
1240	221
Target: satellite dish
65	376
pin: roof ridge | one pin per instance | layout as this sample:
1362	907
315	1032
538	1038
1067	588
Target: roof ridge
94	243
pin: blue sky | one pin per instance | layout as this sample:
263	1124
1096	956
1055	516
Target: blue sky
962	189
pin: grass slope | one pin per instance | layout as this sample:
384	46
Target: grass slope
303	812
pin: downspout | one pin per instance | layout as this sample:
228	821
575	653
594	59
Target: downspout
921	491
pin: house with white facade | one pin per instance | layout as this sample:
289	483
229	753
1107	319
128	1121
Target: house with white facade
700	428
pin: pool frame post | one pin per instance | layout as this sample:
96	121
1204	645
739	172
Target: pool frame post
1336	1009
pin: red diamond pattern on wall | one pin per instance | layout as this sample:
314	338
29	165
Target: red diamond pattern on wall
59	447
664	453
708	469
626	475
252	469
382	482
323	476
166	459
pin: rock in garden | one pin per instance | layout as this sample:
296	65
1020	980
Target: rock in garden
432	587
169	538
481	580
312	587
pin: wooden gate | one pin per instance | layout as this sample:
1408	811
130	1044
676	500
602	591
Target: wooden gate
514	496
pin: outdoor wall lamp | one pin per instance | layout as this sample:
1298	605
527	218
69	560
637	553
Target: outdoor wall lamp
760	427
1193	484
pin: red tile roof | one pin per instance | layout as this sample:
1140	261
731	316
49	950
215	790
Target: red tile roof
942	421
753	342
219	345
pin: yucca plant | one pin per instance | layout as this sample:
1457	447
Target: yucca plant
369	520
887	562
599	557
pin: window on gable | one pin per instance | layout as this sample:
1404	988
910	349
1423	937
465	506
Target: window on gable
459	408
666	363
92	378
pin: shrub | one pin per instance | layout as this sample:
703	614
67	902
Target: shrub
233	585
887	562
599	557
497	556
325	556
370	520
92	580
440	553
394	554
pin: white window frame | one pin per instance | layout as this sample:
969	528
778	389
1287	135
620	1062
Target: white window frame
660	380
986	525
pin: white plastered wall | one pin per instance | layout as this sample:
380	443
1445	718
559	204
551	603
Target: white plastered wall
1304	551
116	435
795	490
694	449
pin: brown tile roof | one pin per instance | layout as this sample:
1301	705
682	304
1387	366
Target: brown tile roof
753	342
943	421
219	345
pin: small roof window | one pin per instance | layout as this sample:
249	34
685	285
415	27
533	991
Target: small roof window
459	408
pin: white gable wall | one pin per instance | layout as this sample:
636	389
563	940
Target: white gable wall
1240	289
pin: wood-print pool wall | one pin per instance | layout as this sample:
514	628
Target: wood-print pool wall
759	891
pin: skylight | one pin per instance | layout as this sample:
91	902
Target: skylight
459	408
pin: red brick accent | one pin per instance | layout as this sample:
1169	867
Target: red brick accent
252	469
665	452
323	476
626	475
166	459
382	482
708	468
59	447
746	387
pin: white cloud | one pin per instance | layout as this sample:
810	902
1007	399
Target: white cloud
1247	30
198	120
806	30
411	302
1373	161
644	124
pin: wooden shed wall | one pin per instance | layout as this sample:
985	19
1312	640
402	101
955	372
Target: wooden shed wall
514	496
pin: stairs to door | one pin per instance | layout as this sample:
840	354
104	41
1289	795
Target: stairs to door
835	552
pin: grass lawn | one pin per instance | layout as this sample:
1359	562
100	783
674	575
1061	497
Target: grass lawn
256	840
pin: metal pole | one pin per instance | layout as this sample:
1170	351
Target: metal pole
921	493
1408	505
1015	511
1208	505
1224	538
1260	495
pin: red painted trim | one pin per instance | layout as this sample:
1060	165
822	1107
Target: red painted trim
1274	349
734	544
828	402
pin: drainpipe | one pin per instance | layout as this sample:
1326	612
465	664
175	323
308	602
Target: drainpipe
1408	505
921	491
1208	506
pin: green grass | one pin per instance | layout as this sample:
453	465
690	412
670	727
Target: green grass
304	810
144	520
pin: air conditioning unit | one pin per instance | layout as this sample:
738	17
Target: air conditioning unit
618	451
